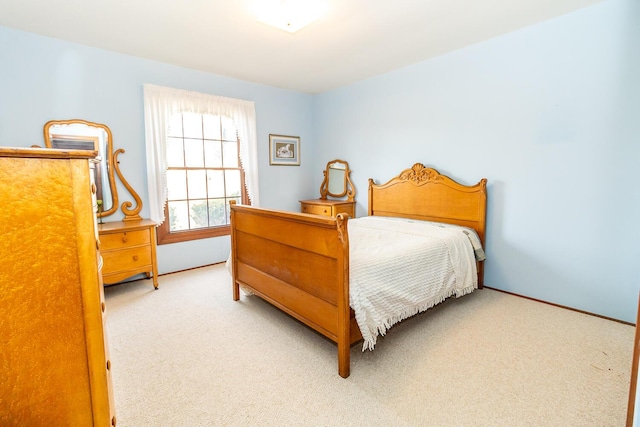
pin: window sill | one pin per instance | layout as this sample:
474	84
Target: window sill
165	237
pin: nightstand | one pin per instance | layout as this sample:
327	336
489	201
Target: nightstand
328	207
128	248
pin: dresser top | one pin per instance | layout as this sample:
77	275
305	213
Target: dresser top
126	225
328	202
46	153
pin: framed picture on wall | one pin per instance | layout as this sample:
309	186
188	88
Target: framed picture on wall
284	150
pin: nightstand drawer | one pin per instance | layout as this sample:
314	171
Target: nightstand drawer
124	239
126	259
316	210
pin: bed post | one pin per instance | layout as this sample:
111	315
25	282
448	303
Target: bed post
236	287
481	228
344	310
370	191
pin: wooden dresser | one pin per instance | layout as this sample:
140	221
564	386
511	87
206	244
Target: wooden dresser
128	248
54	361
328	207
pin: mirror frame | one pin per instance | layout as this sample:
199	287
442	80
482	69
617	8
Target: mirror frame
108	156
130	211
349	189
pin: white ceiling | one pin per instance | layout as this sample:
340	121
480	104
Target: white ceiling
356	39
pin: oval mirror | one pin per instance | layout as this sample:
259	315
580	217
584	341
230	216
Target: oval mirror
83	135
337	181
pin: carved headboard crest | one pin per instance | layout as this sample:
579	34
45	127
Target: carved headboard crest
419	174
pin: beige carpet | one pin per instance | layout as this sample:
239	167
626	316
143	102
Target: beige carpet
188	355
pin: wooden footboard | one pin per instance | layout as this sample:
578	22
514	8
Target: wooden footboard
300	264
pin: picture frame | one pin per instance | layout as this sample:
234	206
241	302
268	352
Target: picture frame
284	150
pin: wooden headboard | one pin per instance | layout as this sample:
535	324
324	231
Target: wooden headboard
423	193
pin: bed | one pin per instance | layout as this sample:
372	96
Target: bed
300	263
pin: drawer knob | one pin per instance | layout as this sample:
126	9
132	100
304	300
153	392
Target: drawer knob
125	239
103	306
97	244
94	189
113	421
108	365
135	257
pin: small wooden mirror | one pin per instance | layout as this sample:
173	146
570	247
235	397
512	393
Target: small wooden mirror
337	181
79	134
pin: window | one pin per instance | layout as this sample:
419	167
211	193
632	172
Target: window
204	173
201	153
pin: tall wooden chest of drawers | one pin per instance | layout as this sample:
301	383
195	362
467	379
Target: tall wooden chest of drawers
54	362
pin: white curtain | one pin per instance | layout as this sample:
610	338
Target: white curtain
160	103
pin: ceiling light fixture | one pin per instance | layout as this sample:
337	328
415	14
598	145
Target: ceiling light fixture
289	15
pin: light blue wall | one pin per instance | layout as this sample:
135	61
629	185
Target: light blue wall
43	79
550	115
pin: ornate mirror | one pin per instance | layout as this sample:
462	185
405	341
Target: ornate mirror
337	181
79	134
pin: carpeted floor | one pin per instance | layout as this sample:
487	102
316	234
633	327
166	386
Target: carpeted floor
188	355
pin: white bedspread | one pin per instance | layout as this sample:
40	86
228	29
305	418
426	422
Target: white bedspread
400	267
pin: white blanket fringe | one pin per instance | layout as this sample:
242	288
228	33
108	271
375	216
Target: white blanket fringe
382	329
